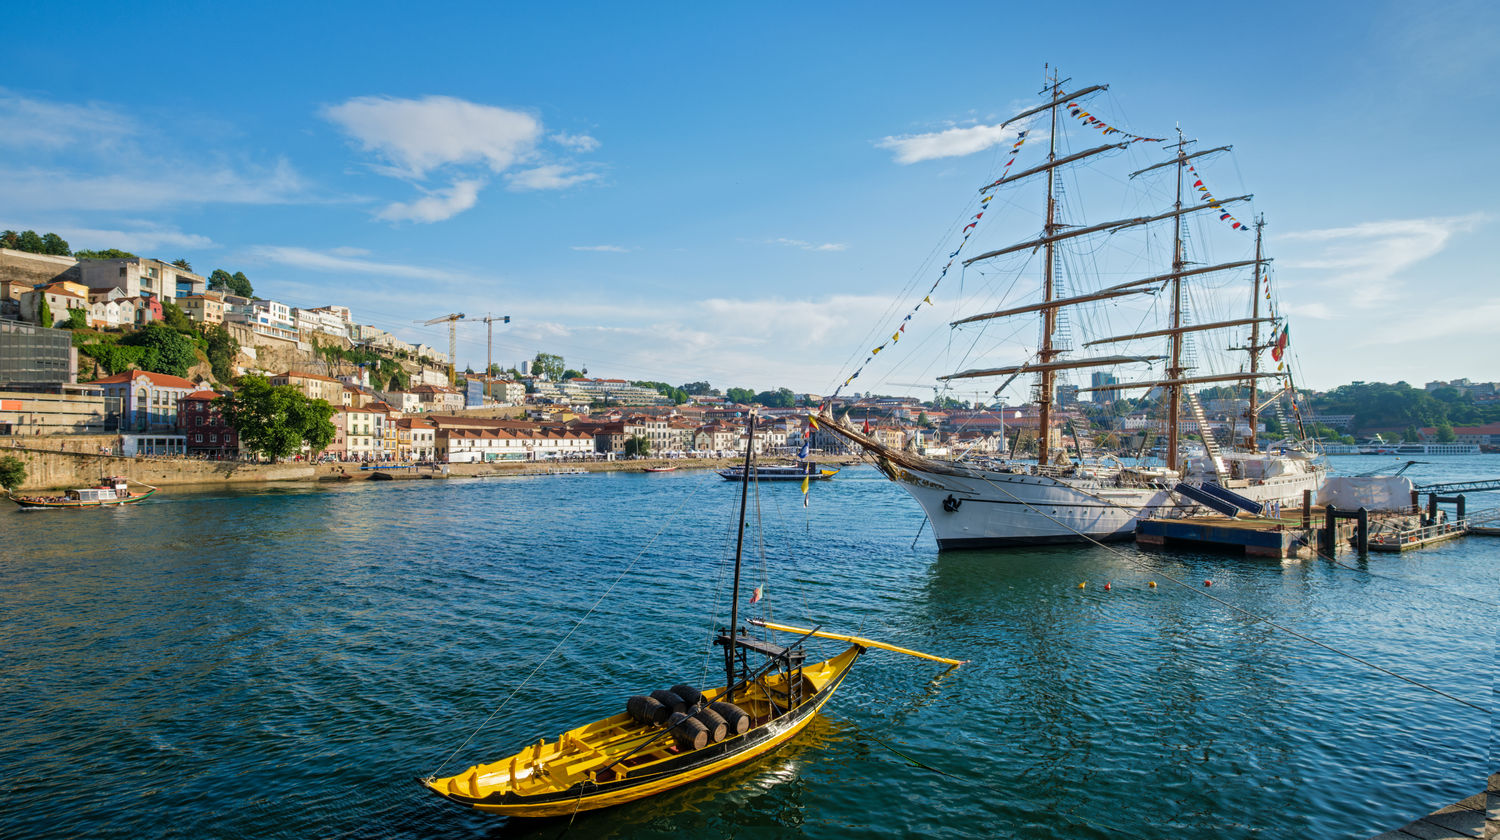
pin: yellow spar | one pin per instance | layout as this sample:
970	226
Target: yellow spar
855	640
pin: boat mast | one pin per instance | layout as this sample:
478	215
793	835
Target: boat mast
1175	369
1260	222
1049	315
739	553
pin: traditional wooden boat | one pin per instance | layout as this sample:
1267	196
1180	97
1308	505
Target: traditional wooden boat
675	736
658	469
111	491
807	470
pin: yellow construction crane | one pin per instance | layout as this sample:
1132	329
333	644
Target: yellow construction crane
452	320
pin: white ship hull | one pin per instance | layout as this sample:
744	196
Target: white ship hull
990	508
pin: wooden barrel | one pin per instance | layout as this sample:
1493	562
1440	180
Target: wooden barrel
688	733
689	695
647	709
718	728
734	716
673	703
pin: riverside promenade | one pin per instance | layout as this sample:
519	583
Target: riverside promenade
52	469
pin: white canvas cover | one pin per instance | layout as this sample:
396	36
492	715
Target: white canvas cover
1371	492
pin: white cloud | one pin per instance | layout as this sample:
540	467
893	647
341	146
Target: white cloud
348	251
436	206
416	136
549	177
576	142
613	249
414	139
1369	257
807	246
952	142
93	157
335	262
30	123
152	186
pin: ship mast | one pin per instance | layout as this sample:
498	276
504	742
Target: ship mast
1174	368
1046	353
1260	222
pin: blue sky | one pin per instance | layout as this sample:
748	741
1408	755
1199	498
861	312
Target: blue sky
745	194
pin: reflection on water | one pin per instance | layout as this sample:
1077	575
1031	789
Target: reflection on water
283	663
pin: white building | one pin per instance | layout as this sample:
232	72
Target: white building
138	276
469	446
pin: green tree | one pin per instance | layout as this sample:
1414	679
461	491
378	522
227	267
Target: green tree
1445	433
44	312
740	395
219	280
1410	435
55	245
106	254
31	242
10	239
221	350
571	374
78	319
173	316
275	420
696	388
182	263
166	350
550	365
923	420
12	472
779	398
114	358
240	285
637	445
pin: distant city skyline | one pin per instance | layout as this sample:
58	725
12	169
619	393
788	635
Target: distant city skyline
742	196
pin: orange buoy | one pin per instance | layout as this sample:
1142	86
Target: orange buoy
1208	583
1152	584
1082	585
1106	587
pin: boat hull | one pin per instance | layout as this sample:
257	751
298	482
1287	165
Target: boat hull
997	509
23	502
591	794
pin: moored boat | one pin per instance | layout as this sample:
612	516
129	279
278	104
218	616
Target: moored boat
658	469
975	502
781	472
675	736
110	492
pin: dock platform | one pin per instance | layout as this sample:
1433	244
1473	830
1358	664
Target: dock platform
1418	537
1260	536
1477	816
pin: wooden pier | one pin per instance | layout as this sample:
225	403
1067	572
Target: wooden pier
1478	816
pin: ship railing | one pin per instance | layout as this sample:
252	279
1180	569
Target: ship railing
1418	535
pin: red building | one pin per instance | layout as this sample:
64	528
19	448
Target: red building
206	432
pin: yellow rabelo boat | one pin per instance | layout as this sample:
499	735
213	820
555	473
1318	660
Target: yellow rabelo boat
671	737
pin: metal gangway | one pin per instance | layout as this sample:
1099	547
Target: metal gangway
1460	487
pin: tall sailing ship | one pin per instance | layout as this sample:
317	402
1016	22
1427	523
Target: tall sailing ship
984	501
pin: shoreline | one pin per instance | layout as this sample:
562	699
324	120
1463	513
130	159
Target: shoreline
54	469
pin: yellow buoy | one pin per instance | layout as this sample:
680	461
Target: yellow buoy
1152	584
1082	585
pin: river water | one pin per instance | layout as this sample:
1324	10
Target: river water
283	663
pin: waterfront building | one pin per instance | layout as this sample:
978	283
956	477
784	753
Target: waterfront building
138	276
717	437
416	439
148	401
110	309
315	386
36	358
79	410
456	446
204	429
207	308
438	397
364	431
60	297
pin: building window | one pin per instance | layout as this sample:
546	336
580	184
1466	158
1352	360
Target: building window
198	438
213	438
